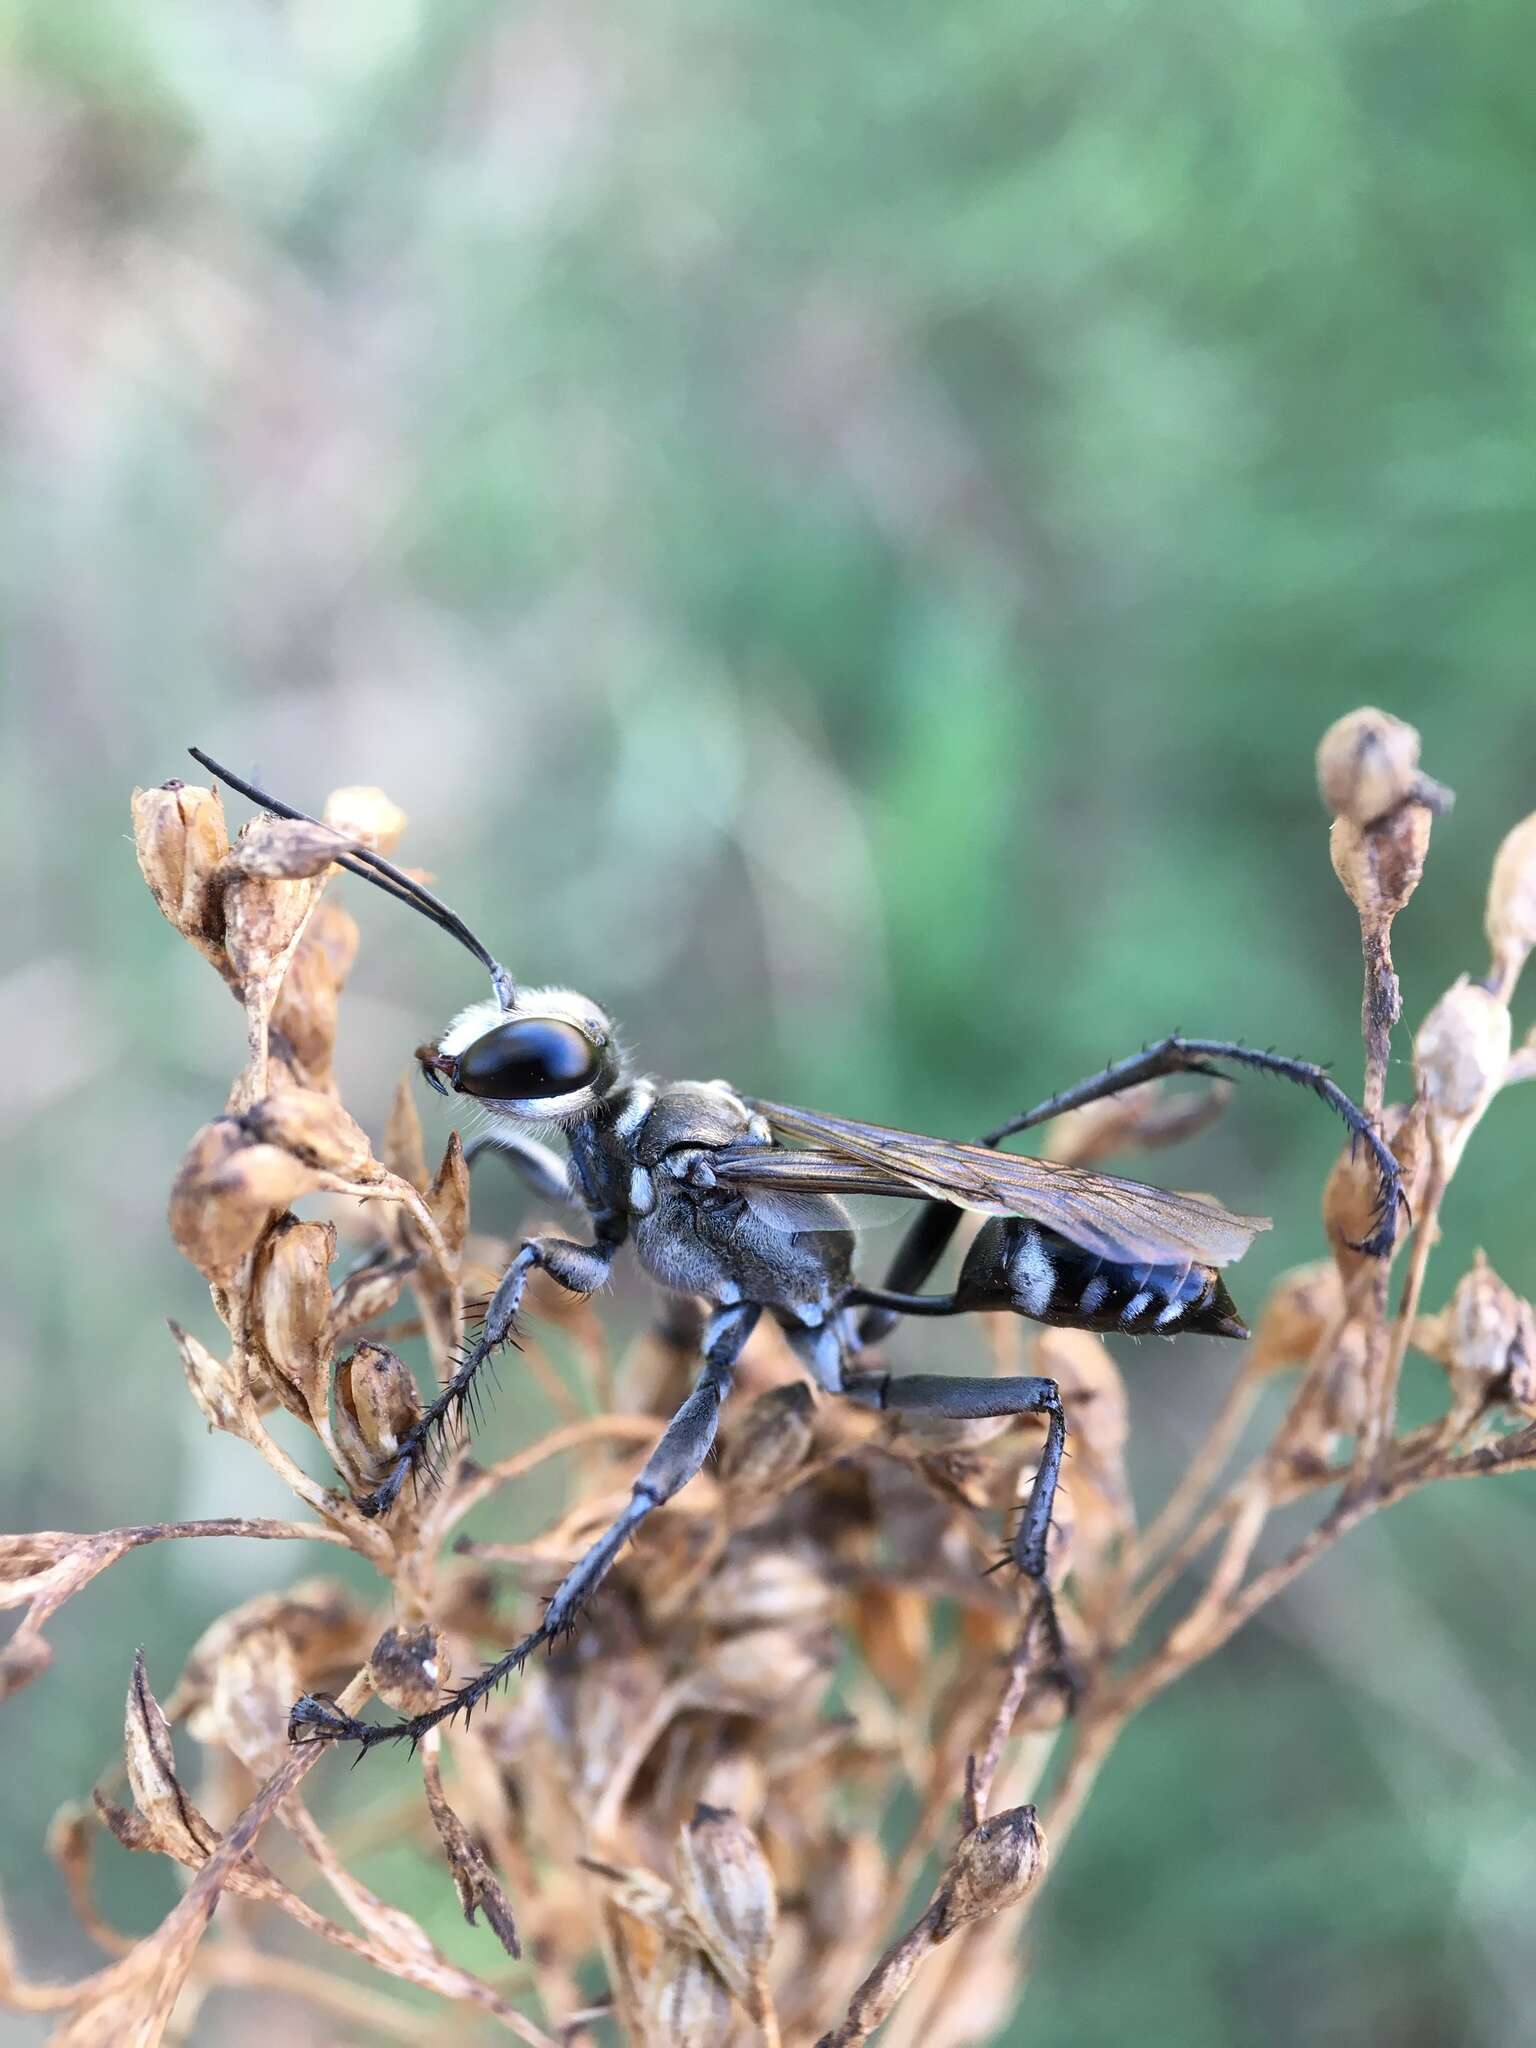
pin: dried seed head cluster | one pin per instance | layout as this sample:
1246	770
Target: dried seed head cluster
679	1803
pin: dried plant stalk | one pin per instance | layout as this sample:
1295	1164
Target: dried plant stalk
669	1797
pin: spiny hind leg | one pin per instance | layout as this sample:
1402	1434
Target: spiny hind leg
1179	1055
684	1445
968	1398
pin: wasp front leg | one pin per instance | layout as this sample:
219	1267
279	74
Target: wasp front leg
579	1268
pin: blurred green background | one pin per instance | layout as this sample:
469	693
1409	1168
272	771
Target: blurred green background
843	527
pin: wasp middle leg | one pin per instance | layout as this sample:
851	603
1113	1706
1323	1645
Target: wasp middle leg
685	1444
967	1398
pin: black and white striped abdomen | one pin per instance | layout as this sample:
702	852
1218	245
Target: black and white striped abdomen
1036	1272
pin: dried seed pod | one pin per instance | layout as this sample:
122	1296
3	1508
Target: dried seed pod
1368	764
180	838
753	1586
365	815
255	1682
765	1668
262	919
736	1780
292	1313
304	1015
1143	1118
1352	1191
409	1668
226	1191
1093	1394
728	1888
1343	1386
1511	913
686	2003
448	1196
285	849
404	1149
316	1129
323	1626
1461	1056
994	1866
377	1402
1380	867
1301	1305
771	1441
367	1293
891	1624
1487	1340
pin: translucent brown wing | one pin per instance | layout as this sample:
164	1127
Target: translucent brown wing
1125	1221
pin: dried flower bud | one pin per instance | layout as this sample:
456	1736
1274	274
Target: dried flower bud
157	1792
285	849
180	838
1511	915
728	1888
994	1866
1301	1305
316	1129
366	816
212	1382
226	1192
1368	764
292	1304
686	2004
772	1440
409	1668
377	1399
1461	1056
752	1587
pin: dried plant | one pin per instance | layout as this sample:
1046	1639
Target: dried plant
671	1799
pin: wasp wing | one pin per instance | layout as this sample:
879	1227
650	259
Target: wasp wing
1124	1221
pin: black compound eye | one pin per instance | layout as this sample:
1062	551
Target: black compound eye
528	1056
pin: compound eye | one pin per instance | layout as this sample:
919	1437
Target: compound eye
528	1057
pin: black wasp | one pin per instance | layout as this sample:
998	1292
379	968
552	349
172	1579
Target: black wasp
735	1201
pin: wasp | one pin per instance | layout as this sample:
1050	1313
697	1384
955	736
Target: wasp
740	1203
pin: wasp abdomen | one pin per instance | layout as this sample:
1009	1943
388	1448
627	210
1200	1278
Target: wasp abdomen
1036	1272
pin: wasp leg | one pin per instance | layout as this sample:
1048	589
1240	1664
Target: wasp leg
929	1235
684	1445
579	1268
539	1166
963	1399
1180	1055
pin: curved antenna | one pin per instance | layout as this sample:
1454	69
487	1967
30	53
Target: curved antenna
372	867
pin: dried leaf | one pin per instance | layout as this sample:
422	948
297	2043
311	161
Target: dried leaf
474	1880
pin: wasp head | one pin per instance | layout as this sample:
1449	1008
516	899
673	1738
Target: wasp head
549	1058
